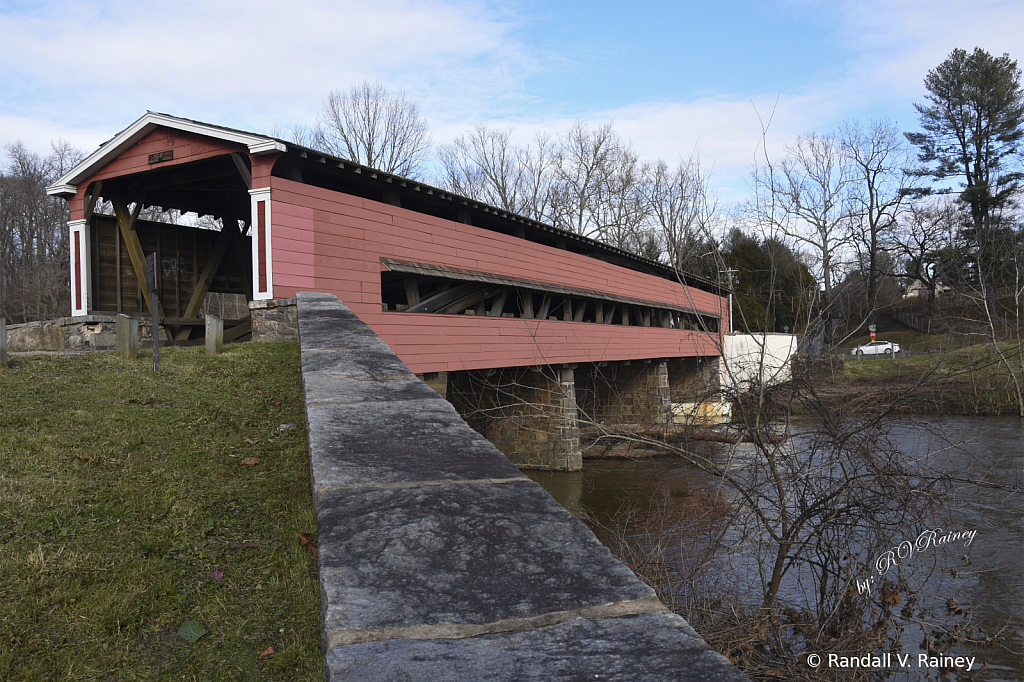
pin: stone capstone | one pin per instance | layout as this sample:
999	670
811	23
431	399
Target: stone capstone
657	646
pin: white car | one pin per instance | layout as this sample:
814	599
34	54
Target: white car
877	348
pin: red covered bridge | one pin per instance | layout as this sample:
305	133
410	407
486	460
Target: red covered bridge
449	283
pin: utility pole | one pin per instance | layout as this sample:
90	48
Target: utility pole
728	274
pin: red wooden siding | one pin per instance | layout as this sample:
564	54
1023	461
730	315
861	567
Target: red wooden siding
187	147
332	242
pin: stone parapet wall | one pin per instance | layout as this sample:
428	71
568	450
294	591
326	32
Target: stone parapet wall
96	331
439	559
85	332
274	320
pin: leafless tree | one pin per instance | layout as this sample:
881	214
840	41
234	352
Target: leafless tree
33	234
923	231
301	135
371	126
486	165
586	166
878	158
589	181
807	197
683	209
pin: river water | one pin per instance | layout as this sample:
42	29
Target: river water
988	583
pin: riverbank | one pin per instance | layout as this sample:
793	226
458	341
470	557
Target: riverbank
968	381
661	517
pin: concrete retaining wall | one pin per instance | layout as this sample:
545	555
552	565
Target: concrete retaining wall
439	560
761	357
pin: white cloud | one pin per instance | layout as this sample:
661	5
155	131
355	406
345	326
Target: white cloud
83	70
248	66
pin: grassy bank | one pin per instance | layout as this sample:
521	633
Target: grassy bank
132	504
969	381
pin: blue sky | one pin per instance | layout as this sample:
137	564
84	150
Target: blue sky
674	77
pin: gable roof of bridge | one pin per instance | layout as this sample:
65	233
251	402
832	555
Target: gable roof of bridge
258	144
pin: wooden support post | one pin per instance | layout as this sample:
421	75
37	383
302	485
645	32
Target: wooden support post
599	313
567	309
3	341
90	200
545	307
625	315
131	240
412	291
135	216
581	309
242	170
214	335
527	305
498	306
155	335
127	337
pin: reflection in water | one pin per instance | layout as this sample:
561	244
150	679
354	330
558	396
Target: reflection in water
986	577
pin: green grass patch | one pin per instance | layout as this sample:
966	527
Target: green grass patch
911	341
979	361
128	508
972	380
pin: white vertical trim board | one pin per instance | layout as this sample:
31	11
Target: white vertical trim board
261	195
81	228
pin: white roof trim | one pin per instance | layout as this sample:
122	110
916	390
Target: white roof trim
67	185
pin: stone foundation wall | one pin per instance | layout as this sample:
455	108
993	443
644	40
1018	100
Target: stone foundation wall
85	332
98	331
274	320
693	380
529	415
624	393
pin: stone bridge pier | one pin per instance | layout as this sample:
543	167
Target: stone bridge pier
530	414
533	414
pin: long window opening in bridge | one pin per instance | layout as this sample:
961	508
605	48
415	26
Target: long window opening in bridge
421	288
